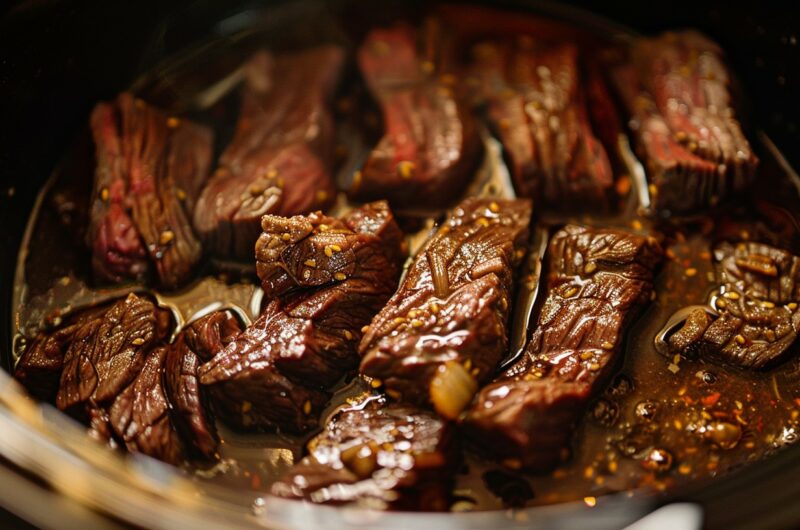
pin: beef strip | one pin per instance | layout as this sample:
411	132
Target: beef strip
538	110
756	319
379	455
140	417
140	220
195	344
279	161
430	144
39	367
107	352
598	280
676	89
277	373
444	330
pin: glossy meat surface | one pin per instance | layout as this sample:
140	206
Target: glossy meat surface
430	143
140	415
194	345
537	107
445	329
380	455
279	161
756	320
677	91
277	373
107	352
598	279
148	165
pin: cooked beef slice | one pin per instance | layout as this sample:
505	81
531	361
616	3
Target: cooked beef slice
39	367
756	320
107	352
379	455
140	216
315	250
676	88
430	143
445	329
139	416
277	373
597	281
195	344
279	160
537	108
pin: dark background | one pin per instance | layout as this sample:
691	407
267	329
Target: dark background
58	57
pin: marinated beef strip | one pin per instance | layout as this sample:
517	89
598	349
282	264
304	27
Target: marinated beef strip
676	90
328	278
598	280
379	455
107	352
445	329
430	144
195	344
147	166
39	367
538	110
279	161
140	415
754	320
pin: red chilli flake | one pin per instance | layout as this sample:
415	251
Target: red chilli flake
711	399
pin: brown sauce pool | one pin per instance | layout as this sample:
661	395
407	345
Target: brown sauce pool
661	423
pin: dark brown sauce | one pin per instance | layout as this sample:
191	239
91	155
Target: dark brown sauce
661	423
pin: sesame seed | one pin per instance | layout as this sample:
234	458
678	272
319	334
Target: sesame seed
322	196
339	276
104	194
572	291
375	383
181	194
348	335
468	364
399	320
590	267
405	169
364	329
285	236
607	345
791	306
416	323
328	251
310	263
173	122
766	304
484	222
740	339
307	407
691	271
594	367
137	341
434	307
165	237
731	295
494	207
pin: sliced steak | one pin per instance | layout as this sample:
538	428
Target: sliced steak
598	280
330	277
39	367
279	161
379	455
445	330
755	319
538	110
140	217
107	352
677	91
430	143
195	344
139	416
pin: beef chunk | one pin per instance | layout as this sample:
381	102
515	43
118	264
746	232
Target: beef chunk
277	373
676	89
538	110
598	279
754	320
139	416
39	367
430	144
315	250
280	158
107	352
140	217
445	328
196	343
380	455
